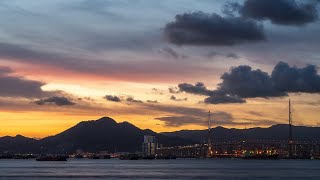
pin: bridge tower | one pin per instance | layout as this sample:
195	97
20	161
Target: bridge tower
290	131
209	153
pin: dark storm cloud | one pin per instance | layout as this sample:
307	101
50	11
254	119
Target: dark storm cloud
284	12
223	99
174	98
152	101
179	116
128	99
244	82
294	79
199	88
215	96
15	86
177	121
173	90
132	100
231	8
18	87
199	28
193	115
219	117
59	101
112	98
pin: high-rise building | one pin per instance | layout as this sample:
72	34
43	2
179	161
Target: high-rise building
149	145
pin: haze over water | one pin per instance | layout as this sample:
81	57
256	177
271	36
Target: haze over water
160	169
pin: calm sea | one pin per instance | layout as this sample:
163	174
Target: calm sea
161	169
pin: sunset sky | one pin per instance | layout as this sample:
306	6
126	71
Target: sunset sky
159	64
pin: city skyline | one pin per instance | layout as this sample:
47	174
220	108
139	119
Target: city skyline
162	68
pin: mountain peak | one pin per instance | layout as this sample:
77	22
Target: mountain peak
279	126
19	136
104	119
127	124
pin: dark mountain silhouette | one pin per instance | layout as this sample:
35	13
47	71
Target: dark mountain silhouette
105	134
275	132
18	144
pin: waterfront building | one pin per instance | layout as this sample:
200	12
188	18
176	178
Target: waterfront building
149	145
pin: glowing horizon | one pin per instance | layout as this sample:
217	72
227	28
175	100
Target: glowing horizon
66	62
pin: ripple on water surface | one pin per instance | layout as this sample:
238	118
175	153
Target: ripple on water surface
161	169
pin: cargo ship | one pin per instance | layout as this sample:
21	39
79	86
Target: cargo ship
52	158
260	156
129	157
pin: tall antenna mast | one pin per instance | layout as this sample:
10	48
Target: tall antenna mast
290	130
209	136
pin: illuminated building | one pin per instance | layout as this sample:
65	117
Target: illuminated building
149	145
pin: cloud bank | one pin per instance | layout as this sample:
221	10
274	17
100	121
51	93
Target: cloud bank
283	12
18	87
112	98
174	98
59	101
128	99
219	118
15	86
199	88
199	28
243	82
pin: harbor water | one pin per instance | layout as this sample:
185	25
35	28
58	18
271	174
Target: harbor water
160	169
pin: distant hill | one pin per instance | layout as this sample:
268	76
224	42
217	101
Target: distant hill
18	144
275	132
103	134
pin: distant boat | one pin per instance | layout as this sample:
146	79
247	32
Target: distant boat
94	157
261	156
79	156
129	157
150	157
106	157
166	157
52	158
